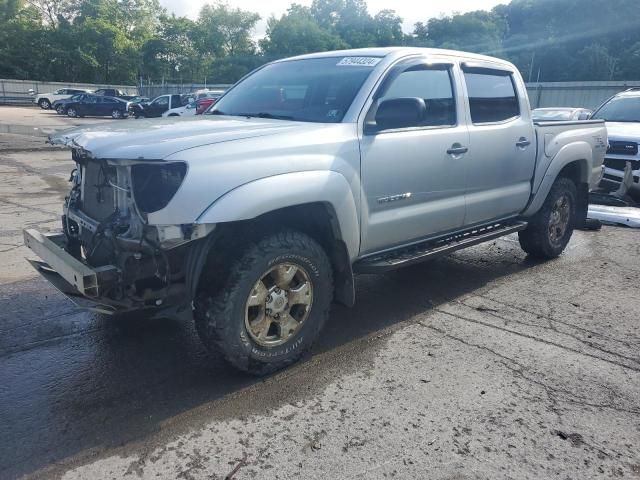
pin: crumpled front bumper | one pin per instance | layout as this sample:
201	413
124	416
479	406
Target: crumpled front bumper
84	285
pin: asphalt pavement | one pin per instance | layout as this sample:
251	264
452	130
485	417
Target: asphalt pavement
480	365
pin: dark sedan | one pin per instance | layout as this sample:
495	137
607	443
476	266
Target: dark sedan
98	106
60	106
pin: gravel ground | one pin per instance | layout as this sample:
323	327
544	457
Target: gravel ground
480	365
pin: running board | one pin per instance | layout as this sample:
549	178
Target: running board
434	248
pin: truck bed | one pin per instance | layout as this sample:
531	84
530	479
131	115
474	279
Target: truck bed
552	137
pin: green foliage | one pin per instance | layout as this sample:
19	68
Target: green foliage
119	41
296	33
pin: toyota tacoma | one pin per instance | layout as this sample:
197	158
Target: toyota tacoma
253	218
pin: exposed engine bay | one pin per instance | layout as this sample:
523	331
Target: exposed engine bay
106	227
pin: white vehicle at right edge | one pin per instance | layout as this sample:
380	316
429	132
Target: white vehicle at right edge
622	116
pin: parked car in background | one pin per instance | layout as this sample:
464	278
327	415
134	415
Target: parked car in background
622	116
158	105
203	103
98	106
114	92
553	114
45	100
60	106
252	219
139	99
184	111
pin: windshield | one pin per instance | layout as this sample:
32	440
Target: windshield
620	109
311	90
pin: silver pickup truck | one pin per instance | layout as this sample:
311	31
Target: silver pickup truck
252	219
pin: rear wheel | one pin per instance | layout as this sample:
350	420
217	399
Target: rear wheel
44	104
272	306
550	229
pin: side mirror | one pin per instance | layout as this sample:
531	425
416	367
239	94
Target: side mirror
400	113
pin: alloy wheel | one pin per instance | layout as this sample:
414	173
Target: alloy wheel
559	219
278	304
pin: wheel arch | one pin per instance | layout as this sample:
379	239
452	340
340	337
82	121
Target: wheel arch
576	168
327	214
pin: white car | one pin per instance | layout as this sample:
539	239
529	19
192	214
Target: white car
185	111
45	100
622	116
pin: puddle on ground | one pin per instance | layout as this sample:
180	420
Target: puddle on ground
30	131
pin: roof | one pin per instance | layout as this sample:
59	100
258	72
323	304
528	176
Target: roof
632	92
399	52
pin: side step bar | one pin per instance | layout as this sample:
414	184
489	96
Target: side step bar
435	248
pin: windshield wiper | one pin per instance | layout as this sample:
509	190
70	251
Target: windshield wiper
265	115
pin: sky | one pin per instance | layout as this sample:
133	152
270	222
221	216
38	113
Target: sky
411	11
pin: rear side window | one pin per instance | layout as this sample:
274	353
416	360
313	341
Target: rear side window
492	96
433	86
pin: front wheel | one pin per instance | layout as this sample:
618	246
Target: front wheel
116	114
550	229
44	104
60	110
272	306
72	112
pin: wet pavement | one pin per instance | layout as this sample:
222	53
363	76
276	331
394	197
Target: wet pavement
483	364
75	380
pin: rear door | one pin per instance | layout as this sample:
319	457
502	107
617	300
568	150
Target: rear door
501	157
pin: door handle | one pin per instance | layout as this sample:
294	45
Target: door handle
523	142
457	149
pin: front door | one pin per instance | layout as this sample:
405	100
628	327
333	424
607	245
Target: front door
414	177
159	106
502	147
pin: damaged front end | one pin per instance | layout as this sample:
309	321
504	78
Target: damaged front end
108	257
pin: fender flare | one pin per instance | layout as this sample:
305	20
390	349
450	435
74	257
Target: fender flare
272	193
579	152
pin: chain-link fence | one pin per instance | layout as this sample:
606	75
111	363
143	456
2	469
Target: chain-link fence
21	92
544	94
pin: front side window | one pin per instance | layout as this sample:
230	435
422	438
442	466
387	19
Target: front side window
161	101
308	90
433	85
492	96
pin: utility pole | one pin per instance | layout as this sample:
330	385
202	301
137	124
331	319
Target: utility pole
533	58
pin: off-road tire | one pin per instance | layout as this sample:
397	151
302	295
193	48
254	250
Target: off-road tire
44	103
536	239
220	315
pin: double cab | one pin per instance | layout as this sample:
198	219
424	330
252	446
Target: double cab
253	218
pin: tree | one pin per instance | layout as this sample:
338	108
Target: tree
387	29
478	31
226	31
297	32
